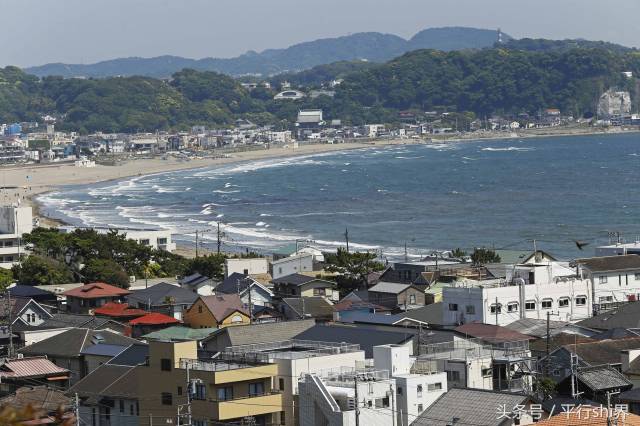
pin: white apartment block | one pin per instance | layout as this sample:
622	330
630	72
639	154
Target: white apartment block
14	222
246	266
158	239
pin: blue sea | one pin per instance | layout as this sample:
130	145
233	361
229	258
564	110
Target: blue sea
500	194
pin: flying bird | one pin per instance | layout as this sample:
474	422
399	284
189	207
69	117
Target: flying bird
581	244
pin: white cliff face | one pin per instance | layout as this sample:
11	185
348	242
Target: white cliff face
613	103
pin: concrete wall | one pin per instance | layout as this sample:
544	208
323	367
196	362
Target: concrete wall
291	265
246	266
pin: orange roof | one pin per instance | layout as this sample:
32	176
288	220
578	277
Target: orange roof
154	318
114	309
589	416
96	290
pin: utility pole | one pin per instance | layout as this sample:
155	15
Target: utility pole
250	303
188	396
406	255
196	243
219	238
76	409
393	408
548	344
346	237
497	311
150	420
355	381
9	313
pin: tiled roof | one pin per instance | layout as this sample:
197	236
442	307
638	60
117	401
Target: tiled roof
491	333
154	318
429	314
603	351
179	333
30	367
113	309
558	340
535	327
387	287
223	305
70	343
263	333
630	262
294	279
603	378
30	291
315	307
234	283
470	406
39	398
193	280
162	294
626	316
96	290
350	305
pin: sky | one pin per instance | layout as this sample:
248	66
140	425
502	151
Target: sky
35	32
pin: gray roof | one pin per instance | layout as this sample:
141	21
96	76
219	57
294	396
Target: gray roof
603	378
102	349
194	280
315	307
535	327
233	283
626	316
632	395
429	314
294	279
355	335
63	320
630	262
107	381
70	343
471	406
160	293
387	287
264	333
135	354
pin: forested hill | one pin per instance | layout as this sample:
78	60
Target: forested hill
480	82
371	46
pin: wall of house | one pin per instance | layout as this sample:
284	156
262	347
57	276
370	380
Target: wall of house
236	318
411	296
34	315
34	336
316	288
246	266
410	401
259	297
123	413
199	316
289	266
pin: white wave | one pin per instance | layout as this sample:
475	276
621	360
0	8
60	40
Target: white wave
265	215
220	191
260	224
510	148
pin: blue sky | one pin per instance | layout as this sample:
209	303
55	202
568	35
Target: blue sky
34	32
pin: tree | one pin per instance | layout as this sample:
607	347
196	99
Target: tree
107	271
458	253
482	256
6	278
354	267
211	265
37	270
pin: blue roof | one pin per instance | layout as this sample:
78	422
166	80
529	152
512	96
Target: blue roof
135	354
29	291
103	349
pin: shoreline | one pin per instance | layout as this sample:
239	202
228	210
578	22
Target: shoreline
26	183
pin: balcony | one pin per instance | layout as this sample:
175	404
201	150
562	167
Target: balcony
231	372
249	406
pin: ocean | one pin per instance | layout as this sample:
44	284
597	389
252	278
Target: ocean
497	194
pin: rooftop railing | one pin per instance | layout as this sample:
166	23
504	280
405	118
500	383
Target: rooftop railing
287	349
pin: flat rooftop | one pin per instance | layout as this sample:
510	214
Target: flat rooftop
288	349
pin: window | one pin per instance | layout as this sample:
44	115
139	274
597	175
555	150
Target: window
245	271
495	308
165	364
236	319
107	414
412	299
420	409
121	404
131	412
319	292
382	402
162	241
470	310
453	376
530	305
547	303
179	391
199	392
281	384
399	388
225	394
563	302
453	307
512	307
144	241
282	418
419	388
581	300
199	309
487	372
198	422
256	389
433	387
602	279
637	276
167	398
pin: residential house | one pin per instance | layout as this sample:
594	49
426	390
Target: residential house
315	307
295	264
625	316
245	266
227	389
163	298
240	284
97	354
479	408
298	285
18	372
158	239
85	299
199	284
218	311
24	311
396	295
120	312
47	403
491	334
148	323
31	292
65	349
595	383
219	340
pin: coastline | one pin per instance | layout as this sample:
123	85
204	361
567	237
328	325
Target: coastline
24	183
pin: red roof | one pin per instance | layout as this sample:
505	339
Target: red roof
491	333
114	309
96	290
30	367
154	318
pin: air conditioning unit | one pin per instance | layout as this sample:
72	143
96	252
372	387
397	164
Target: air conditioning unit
20	356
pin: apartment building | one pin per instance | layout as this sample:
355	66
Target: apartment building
14	222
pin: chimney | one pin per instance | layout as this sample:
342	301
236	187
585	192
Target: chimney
627	357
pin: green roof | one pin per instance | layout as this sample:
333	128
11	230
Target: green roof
437	287
180	333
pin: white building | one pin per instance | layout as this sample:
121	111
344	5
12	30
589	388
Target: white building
244	266
414	392
529	291
296	264
14	222
619	249
85	162
372	130
613	279
291	95
158	239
